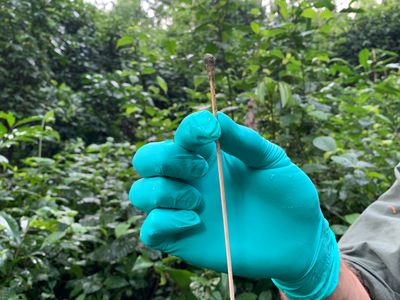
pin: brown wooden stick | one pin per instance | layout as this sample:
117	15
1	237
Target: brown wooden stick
209	62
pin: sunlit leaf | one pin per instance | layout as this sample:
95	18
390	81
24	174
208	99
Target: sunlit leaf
285	94
142	263
339	229
121	229
255	27
351	218
325	143
309	13
363	58
327	14
283	10
163	85
148	70
124	41
49	116
3	159
170	46
260	91
9	117
10	226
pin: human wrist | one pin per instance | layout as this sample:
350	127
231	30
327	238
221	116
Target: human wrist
350	286
321	278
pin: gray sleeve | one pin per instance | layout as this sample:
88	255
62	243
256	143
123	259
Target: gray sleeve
371	245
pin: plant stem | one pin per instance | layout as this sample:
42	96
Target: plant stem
41	138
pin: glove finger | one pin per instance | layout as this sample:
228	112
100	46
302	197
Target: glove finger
147	194
197	132
168	159
247	145
161	224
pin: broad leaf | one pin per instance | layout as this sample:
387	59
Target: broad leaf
309	13
10	226
121	229
325	143
163	85
142	263
351	218
285	94
53	238
125	40
363	58
255	27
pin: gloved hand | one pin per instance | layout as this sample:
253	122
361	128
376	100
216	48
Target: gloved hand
276	227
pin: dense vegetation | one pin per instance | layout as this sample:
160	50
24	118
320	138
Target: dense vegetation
81	89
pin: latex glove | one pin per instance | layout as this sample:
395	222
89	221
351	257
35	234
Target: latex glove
276	227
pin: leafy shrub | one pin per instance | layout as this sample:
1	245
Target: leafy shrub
67	230
368	30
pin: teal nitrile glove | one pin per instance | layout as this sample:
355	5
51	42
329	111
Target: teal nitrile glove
276	227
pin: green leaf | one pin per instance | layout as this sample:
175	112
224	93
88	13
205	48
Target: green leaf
142	263
163	85
125	40
3	130
3	159
309	13
324	3
181	277
349	160
53	238
260	91
255	12
265	295
255	27
285	94
28	120
4	258
9	117
314	168
318	114
351	218
246	296
81	297
8	294
325	143
148	71
327	14
170	46
363	58
339	229
121	229
10	226
199	79
283	8
49	116
115	282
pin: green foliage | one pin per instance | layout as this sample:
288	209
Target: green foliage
46	46
81	89
377	28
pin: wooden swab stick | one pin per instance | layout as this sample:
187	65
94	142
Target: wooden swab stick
209	61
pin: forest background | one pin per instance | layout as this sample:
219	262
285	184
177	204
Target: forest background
81	89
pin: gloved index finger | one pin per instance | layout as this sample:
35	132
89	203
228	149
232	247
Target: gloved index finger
197	132
247	145
168	159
